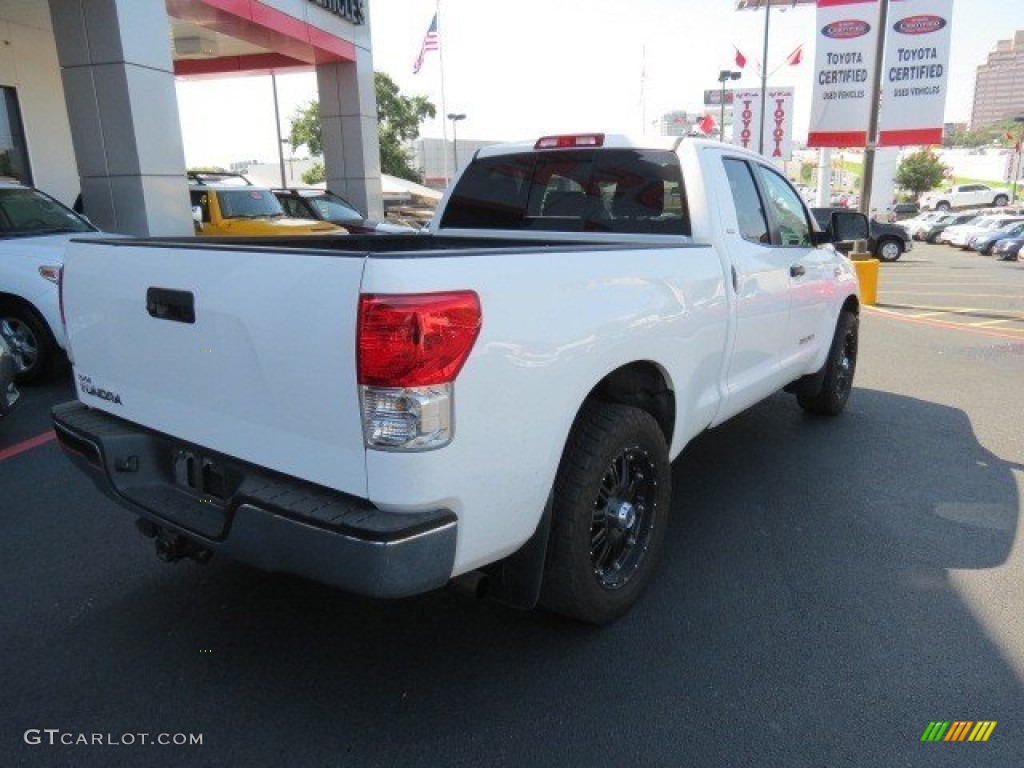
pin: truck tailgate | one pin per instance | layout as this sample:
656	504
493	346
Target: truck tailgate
247	352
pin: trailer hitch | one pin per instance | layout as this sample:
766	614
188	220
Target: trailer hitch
172	547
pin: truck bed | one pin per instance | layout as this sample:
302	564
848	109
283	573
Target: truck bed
397	246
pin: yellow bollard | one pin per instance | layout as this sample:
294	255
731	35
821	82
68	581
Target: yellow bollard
867	276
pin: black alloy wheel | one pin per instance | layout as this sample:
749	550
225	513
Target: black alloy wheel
623	517
609	513
839	370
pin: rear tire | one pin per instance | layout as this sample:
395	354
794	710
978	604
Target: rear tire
31	342
839	370
608	515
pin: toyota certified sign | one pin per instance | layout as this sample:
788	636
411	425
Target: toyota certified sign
916	73
844	59
846	29
919	25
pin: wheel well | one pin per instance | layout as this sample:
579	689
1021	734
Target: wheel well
851	305
12	300
642	385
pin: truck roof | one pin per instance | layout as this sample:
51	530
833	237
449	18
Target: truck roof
607	141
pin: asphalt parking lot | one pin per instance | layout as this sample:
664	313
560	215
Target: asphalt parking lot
829	588
941	285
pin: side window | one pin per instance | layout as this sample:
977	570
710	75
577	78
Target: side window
293	207
200	199
746	198
787	209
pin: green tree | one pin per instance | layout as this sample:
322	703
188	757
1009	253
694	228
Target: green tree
920	171
1004	133
315	174
398	123
306	129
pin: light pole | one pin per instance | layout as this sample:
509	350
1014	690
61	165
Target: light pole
455	117
724	76
277	123
1016	172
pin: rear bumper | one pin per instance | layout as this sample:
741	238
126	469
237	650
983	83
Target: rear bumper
251	514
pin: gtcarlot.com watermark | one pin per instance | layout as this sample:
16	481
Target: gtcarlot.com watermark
56	737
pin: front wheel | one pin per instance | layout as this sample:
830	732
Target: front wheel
609	513
942	206
31	344
1000	201
889	249
839	370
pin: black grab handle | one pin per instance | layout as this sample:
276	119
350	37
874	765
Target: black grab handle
169	304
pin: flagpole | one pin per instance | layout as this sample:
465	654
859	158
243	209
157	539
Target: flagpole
444	108
643	91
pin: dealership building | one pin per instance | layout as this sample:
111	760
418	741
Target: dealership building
88	102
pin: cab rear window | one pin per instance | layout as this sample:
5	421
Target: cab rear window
629	191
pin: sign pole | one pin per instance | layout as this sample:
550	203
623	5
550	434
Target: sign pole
764	78
876	96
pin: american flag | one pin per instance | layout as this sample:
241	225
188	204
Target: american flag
431	42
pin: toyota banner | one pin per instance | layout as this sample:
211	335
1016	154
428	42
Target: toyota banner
914	72
844	56
914	78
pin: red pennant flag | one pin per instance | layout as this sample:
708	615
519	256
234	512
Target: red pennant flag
741	60
794	58
707	124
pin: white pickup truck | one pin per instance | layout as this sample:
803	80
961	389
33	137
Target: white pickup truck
498	399
963	196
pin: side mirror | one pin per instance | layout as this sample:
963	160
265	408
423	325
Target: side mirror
846	226
197	218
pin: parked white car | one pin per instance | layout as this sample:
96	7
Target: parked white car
922	221
34	233
964	196
961	235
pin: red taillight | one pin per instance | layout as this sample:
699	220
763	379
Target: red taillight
574	141
415	340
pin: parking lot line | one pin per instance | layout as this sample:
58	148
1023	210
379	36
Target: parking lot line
1002	333
27	445
1008	294
930	309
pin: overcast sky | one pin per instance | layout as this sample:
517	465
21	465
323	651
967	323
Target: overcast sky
522	68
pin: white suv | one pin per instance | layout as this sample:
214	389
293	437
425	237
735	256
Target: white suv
34	232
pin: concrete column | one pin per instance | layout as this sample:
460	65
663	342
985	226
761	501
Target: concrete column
348	114
115	59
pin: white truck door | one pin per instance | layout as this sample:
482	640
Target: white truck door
811	274
761	286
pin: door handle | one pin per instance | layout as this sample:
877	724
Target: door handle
797	270
169	304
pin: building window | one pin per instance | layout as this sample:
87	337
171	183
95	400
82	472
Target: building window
13	152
